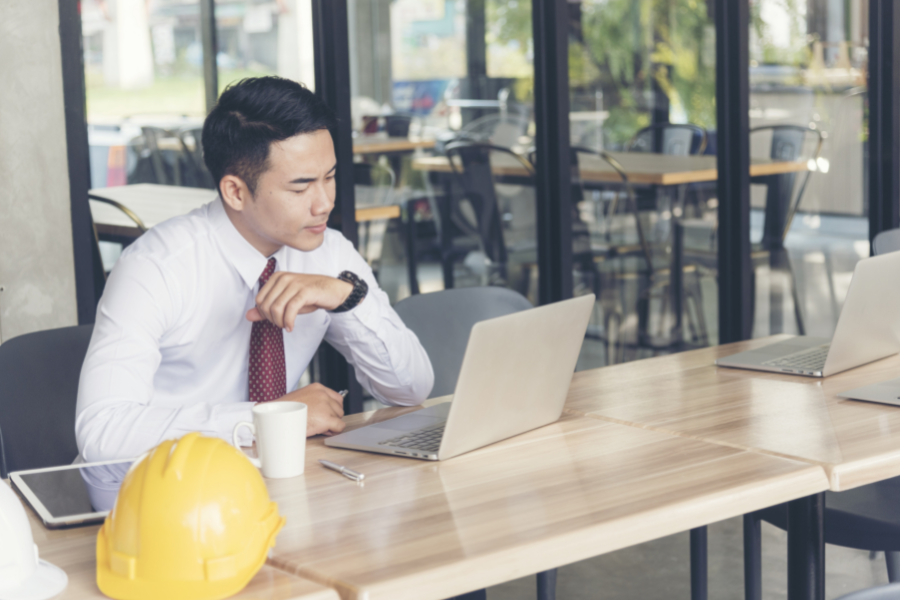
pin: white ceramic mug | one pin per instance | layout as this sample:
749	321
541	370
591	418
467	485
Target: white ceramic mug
280	430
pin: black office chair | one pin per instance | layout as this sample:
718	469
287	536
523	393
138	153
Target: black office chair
40	373
443	321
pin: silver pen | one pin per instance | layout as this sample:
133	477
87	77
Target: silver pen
343	393
349	473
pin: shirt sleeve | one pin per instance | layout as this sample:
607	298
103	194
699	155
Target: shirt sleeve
388	359
114	415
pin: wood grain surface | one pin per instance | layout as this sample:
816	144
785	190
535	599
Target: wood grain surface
641	167
379	144
782	415
574	489
74	551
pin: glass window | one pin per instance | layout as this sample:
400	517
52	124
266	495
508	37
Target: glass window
431	78
809	227
642	124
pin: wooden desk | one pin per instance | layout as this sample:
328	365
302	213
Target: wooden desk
641	168
380	144
562	493
802	418
155	203
74	551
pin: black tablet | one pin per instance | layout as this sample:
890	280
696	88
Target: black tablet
71	495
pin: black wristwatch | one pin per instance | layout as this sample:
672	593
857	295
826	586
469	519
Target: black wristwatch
360	289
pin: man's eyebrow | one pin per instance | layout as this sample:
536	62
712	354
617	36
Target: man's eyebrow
301	180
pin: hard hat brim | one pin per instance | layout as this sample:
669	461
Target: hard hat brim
47	581
122	588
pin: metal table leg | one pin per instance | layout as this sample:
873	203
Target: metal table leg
752	557
806	548
699	563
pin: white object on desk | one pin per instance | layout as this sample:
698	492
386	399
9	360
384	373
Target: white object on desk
280	429
23	575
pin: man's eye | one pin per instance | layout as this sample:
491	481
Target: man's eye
300	191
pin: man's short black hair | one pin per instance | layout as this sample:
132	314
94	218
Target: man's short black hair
250	115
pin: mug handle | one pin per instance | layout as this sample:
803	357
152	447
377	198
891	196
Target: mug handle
237	444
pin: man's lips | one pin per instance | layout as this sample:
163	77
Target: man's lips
317	228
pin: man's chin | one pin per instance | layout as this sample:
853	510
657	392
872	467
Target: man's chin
307	242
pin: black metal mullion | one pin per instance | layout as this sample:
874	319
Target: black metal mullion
332	65
210	50
884	116
88	282
550	21
733	161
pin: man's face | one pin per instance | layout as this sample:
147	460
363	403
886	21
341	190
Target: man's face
294	196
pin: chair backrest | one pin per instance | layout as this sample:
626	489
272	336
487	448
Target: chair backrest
40	373
788	144
374	184
473	171
443	321
499	129
198	175
679	139
397	125
886	241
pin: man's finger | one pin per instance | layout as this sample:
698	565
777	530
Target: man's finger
254	315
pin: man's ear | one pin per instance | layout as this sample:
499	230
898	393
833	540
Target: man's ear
235	192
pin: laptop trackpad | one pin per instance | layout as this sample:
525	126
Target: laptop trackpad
408	422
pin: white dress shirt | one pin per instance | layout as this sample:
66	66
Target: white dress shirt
171	344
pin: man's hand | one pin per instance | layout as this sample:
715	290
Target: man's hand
287	295
324	409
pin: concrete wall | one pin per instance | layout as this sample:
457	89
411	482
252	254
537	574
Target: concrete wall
37	276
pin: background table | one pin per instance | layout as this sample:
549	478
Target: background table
155	203
381	144
565	492
641	167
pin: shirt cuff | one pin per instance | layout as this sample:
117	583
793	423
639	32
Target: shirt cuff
368	313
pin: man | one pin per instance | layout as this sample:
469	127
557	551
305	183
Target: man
207	313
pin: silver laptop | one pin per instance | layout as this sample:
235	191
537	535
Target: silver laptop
884	392
514	377
867	329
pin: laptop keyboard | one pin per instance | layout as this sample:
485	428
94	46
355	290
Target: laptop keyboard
812	359
427	439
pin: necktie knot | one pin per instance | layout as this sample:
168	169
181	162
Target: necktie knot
267	272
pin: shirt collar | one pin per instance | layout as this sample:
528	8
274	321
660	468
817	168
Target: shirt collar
246	259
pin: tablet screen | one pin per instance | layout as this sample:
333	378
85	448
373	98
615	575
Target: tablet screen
78	489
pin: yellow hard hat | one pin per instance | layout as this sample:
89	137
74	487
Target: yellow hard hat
192	519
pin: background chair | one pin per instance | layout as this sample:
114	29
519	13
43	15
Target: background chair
40	373
443	321
197	175
790	143
497	232
678	139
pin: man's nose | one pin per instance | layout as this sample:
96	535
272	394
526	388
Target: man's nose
322	202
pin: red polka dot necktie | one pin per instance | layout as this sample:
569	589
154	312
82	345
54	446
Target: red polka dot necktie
268	377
